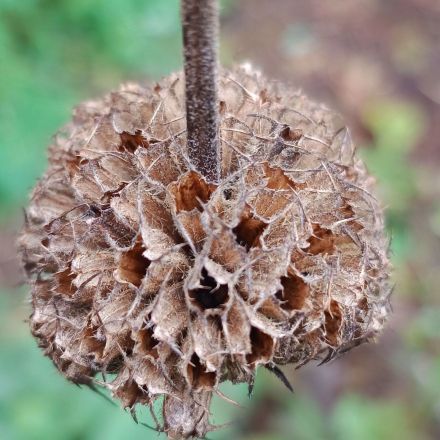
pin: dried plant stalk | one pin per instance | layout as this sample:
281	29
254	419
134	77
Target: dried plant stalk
200	35
143	268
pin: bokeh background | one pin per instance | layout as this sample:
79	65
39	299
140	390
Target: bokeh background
377	62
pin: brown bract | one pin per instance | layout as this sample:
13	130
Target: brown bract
169	285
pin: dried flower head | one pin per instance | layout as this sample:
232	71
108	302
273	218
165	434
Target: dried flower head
141	268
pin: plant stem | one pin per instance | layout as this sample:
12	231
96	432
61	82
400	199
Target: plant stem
200	22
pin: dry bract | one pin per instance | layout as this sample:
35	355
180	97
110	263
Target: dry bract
167	284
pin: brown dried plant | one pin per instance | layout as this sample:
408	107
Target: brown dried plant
144	268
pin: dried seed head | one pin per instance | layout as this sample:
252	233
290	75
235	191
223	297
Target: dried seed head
141	268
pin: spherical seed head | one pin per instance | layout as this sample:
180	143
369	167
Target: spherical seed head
141	268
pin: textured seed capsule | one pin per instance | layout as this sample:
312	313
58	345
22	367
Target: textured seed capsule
141	268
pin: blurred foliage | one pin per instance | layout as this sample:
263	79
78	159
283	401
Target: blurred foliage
395	128
53	54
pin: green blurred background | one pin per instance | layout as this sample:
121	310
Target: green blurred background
376	62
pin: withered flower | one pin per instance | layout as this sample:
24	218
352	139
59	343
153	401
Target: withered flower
168	283
140	267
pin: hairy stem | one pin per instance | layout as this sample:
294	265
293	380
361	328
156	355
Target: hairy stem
200	22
